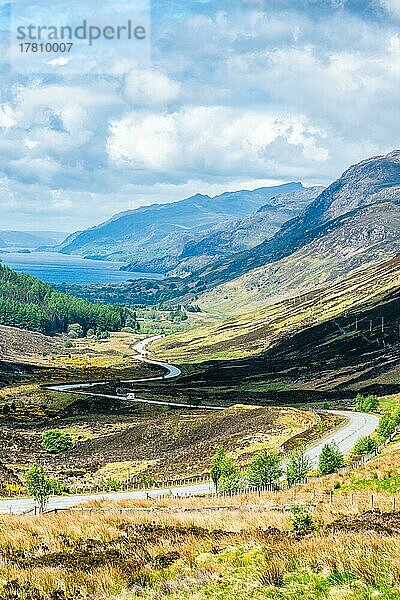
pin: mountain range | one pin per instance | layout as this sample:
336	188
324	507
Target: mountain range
30	239
352	223
186	235
343	250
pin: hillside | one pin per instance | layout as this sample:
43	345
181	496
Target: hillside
356	240
254	332
27	303
229	237
355	348
162	230
362	206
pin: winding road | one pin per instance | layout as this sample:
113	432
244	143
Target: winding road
357	425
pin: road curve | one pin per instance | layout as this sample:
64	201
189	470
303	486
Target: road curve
140	347
358	425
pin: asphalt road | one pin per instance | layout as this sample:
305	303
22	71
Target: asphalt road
358	425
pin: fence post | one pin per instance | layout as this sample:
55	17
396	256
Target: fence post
394	504
372	501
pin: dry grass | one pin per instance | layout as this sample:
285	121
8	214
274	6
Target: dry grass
197	555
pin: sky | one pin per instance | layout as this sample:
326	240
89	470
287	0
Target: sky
225	95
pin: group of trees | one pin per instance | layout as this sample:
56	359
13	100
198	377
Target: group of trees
28	303
267	468
366	404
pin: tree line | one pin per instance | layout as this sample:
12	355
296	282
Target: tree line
27	303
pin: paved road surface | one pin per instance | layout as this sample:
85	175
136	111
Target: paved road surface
359	425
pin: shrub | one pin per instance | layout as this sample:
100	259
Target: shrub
302	521
330	459
111	484
68	344
75	330
365	445
387	425
39	485
298	466
264	469
55	441
368	403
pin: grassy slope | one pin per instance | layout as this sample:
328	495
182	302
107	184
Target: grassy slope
256	331
224	555
357	241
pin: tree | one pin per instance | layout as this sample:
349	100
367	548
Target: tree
56	441
302	520
368	403
264	469
234	482
39	486
298	466
365	445
222	466
387	425
330	459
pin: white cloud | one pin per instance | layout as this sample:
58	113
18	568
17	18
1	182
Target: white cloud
7	117
299	90
212	140
149	87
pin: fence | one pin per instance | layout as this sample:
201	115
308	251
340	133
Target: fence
132	484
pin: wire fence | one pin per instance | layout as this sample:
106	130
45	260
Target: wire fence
201	484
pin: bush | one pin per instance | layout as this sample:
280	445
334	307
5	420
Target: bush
365	445
56	441
75	330
368	403
330	459
302	521
298	466
264	469
235	482
387	425
69	344
111	484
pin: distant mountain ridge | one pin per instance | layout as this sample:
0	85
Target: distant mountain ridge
154	232
353	222
373	181
232	236
30	239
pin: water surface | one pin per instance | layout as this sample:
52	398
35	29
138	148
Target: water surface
56	269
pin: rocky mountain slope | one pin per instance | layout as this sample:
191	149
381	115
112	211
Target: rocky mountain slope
372	182
356	240
151	233
230	237
355	221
